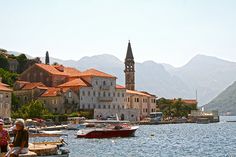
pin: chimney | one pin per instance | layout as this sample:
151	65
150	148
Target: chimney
60	68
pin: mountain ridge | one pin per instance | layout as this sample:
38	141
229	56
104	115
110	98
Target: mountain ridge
206	74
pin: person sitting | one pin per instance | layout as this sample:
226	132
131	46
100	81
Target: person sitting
21	140
4	138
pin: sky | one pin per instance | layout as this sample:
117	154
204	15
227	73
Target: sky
165	31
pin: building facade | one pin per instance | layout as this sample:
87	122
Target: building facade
144	102
5	100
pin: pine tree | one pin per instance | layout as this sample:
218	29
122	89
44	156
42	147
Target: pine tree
47	58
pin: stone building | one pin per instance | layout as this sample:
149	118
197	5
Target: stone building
60	101
49	75
143	101
27	91
5	100
13	65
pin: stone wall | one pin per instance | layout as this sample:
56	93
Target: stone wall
123	114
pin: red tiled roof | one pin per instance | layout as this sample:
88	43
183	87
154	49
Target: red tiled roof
5	88
55	70
95	73
23	82
32	85
75	83
148	93
3	84
190	101
137	93
51	92
120	87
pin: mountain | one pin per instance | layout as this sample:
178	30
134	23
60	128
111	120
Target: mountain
207	75
225	102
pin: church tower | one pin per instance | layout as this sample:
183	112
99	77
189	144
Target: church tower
129	69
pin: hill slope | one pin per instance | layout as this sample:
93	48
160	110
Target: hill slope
225	102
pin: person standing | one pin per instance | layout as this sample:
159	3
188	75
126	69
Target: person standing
21	140
4	138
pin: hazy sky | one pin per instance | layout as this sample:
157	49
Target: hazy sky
170	31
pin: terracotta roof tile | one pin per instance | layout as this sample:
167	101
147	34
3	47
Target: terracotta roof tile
5	88
137	93
60	70
120	87
51	92
3	84
190	101
32	85
95	73
75	83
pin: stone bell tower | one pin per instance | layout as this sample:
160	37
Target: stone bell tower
129	69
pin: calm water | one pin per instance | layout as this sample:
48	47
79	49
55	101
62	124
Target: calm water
217	139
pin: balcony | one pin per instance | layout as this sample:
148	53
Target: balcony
105	99
104	87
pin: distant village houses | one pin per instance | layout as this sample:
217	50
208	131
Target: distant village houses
65	90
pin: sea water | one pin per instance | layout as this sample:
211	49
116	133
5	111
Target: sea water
181	140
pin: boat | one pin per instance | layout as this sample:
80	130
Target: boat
48	148
109	131
75	123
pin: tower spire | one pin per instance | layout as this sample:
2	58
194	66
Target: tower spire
129	54
129	69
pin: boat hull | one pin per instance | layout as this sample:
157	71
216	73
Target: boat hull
108	133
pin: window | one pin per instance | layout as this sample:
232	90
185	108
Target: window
94	93
109	94
99	106
69	94
6	95
83	92
104	82
111	83
137	99
88	106
118	94
109	106
104	94
88	93
123	95
94	106
104	106
114	94
99	94
114	106
83	106
128	99
96	82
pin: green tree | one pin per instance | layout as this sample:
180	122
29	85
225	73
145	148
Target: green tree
4	62
34	109
22	60
8	77
15	102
